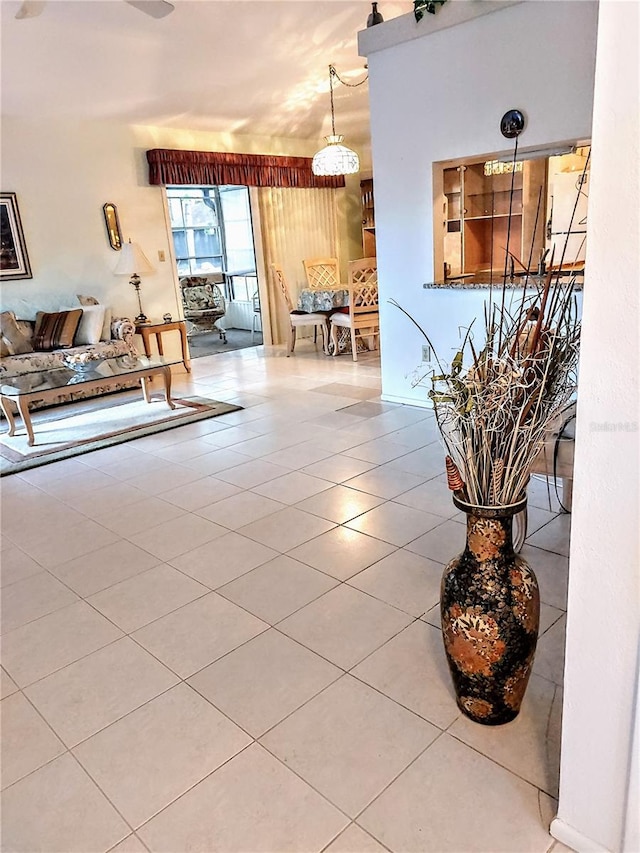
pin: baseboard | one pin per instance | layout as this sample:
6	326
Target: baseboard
406	401
570	836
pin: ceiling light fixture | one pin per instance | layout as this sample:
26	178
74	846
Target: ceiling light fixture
335	158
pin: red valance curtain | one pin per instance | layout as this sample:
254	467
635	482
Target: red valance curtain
168	166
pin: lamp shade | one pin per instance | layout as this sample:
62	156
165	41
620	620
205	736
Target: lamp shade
335	158
132	260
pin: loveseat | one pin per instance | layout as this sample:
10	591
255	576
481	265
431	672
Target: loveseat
109	338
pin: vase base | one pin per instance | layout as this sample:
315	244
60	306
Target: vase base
480	711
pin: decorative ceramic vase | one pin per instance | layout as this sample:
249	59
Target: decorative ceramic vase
490	611
374	16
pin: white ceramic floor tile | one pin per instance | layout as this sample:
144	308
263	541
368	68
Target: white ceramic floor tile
59	808
15	565
354	840
27	741
307	420
199	494
418	434
286	529
342	552
240	509
441	544
293	487
427	462
131	844
231	436
177	536
189	449
435	804
227	812
145	597
298	455
277	588
106	499
251	474
337	468
232	556
350	762
554	536
263	681
529	746
91	693
63	543
49	643
537	518
378	451
394	523
548	617
7	685
179	733
404	580
552	572
104	567
344	625
541	492
126	521
433	496
155	481
412	669
81	484
31	598
549	659
199	633
339	503
384	482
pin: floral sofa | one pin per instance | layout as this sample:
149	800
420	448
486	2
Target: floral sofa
120	344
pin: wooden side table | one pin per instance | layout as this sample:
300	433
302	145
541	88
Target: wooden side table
145	330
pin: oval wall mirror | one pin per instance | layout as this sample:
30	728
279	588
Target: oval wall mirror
113	225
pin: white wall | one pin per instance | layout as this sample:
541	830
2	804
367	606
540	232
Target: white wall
441	96
63	172
603	626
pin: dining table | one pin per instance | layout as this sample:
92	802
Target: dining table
327	299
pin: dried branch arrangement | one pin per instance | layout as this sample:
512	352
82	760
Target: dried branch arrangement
494	415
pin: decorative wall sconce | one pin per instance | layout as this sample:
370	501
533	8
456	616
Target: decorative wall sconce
113	225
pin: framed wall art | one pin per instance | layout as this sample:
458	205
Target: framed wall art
14	261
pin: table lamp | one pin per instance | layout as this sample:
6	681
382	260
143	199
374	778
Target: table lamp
133	262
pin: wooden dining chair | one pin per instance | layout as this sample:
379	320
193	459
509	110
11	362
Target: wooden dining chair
363	319
321	273
296	318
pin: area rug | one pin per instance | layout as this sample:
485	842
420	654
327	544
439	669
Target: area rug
63	432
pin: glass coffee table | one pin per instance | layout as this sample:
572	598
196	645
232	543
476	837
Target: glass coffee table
48	384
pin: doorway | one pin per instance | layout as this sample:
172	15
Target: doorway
213	241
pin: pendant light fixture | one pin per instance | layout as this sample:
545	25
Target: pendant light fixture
335	158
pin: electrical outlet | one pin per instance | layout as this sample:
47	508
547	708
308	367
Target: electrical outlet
161	256
426	352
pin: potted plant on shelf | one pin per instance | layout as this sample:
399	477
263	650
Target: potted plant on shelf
494	406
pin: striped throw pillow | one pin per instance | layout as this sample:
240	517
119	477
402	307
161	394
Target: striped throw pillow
56	331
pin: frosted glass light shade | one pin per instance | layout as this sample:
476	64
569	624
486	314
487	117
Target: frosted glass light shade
132	260
335	158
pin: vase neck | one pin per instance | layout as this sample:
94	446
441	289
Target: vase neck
489	538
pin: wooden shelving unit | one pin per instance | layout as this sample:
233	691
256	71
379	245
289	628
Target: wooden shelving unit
484	214
368	219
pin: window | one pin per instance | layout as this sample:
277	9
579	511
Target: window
211	228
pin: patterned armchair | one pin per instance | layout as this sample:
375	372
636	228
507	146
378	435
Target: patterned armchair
204	305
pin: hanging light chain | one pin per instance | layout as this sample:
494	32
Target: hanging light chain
333	73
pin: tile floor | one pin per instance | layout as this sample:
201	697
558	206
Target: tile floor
224	637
